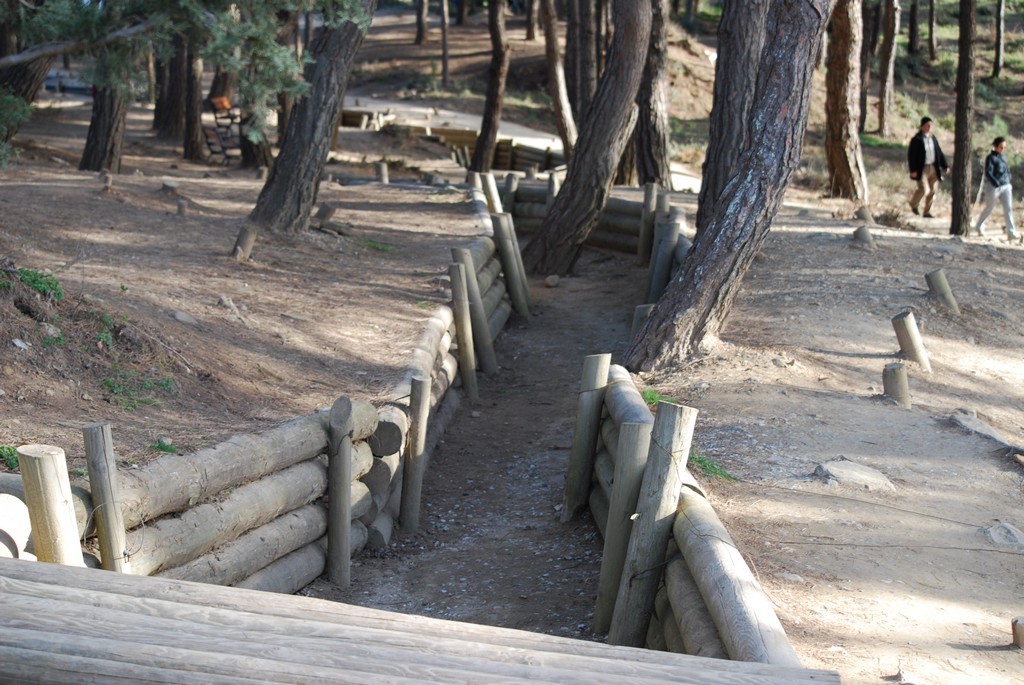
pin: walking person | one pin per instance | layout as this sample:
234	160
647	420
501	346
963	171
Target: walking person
996	184
927	165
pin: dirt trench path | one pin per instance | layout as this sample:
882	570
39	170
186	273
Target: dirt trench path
491	549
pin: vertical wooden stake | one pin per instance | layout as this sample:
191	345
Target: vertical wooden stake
634	439
182	207
412	476
584	436
939	287
862	236
640	314
491	192
508	197
382	173
44	472
910	339
664	205
481	331
514	281
510	224
655	513
894	384
666	235
1017	629
106	499
646	240
339	494
464	330
531	172
553	188
474	180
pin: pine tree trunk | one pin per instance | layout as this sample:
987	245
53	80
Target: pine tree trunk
586	55
961	190
422	9
997	58
557	88
532	19
169	114
287	199
572	56
255	154
193	138
887	68
690	314
487	142
914	28
847	177
24	80
603	137
652	127
463	12
741	35
105	139
626	173
933	52
869	33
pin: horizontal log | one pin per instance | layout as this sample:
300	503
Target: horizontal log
488	274
497	320
604	472
379	532
530	210
15	525
176	482
442	411
481	250
392	429
670	630
11	484
233	562
382	473
290	573
443	379
171	542
612	241
364	419
742	613
619	224
620	205
599	509
492	298
531	191
610	437
624	402
696	628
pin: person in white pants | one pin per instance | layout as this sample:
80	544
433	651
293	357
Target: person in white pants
996	185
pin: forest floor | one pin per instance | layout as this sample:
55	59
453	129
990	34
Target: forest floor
161	334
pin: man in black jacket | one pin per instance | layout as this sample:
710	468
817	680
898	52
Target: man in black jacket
927	164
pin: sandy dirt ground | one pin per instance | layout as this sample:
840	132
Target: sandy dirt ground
163	335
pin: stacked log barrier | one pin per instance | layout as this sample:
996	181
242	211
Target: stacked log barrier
706	601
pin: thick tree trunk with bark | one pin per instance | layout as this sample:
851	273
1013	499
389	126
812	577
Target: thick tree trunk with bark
741	35
169	113
603	137
193	139
691	313
933	52
961	190
870	10
105	139
287	199
532	19
557	89
422	9
626	174
997	58
847	177
914	27
652	127
586	55
487	142
572	57
255	154
25	81
887	68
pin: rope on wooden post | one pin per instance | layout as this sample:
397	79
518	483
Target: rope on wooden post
44	470
910	339
584	437
339	493
99	455
412	477
938	287
464	330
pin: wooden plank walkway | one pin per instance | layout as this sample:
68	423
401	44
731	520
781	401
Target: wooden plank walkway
67	625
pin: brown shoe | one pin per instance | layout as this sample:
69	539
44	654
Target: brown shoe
928	215
914	210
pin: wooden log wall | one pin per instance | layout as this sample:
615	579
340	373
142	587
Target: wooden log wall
708	603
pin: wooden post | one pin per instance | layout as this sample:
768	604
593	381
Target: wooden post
862	236
646	240
514	280
910	339
412	476
474	180
508	197
339	494
1017	630
182	207
15	526
510	224
664	205
584	438
481	333
491	192
894	384
939	287
553	188
666	235
464	330
640	314
106	498
382	173
44	470
667	454
631	458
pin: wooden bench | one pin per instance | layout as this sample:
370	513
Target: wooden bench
220	144
225	116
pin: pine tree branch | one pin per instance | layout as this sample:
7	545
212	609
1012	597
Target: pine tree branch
72	46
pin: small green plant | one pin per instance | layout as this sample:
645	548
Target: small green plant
166	447
131	389
10	456
380	247
709	467
422	304
870	141
54	340
44	284
80	473
652	397
124	289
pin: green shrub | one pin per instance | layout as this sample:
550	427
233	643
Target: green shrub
10	456
44	284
